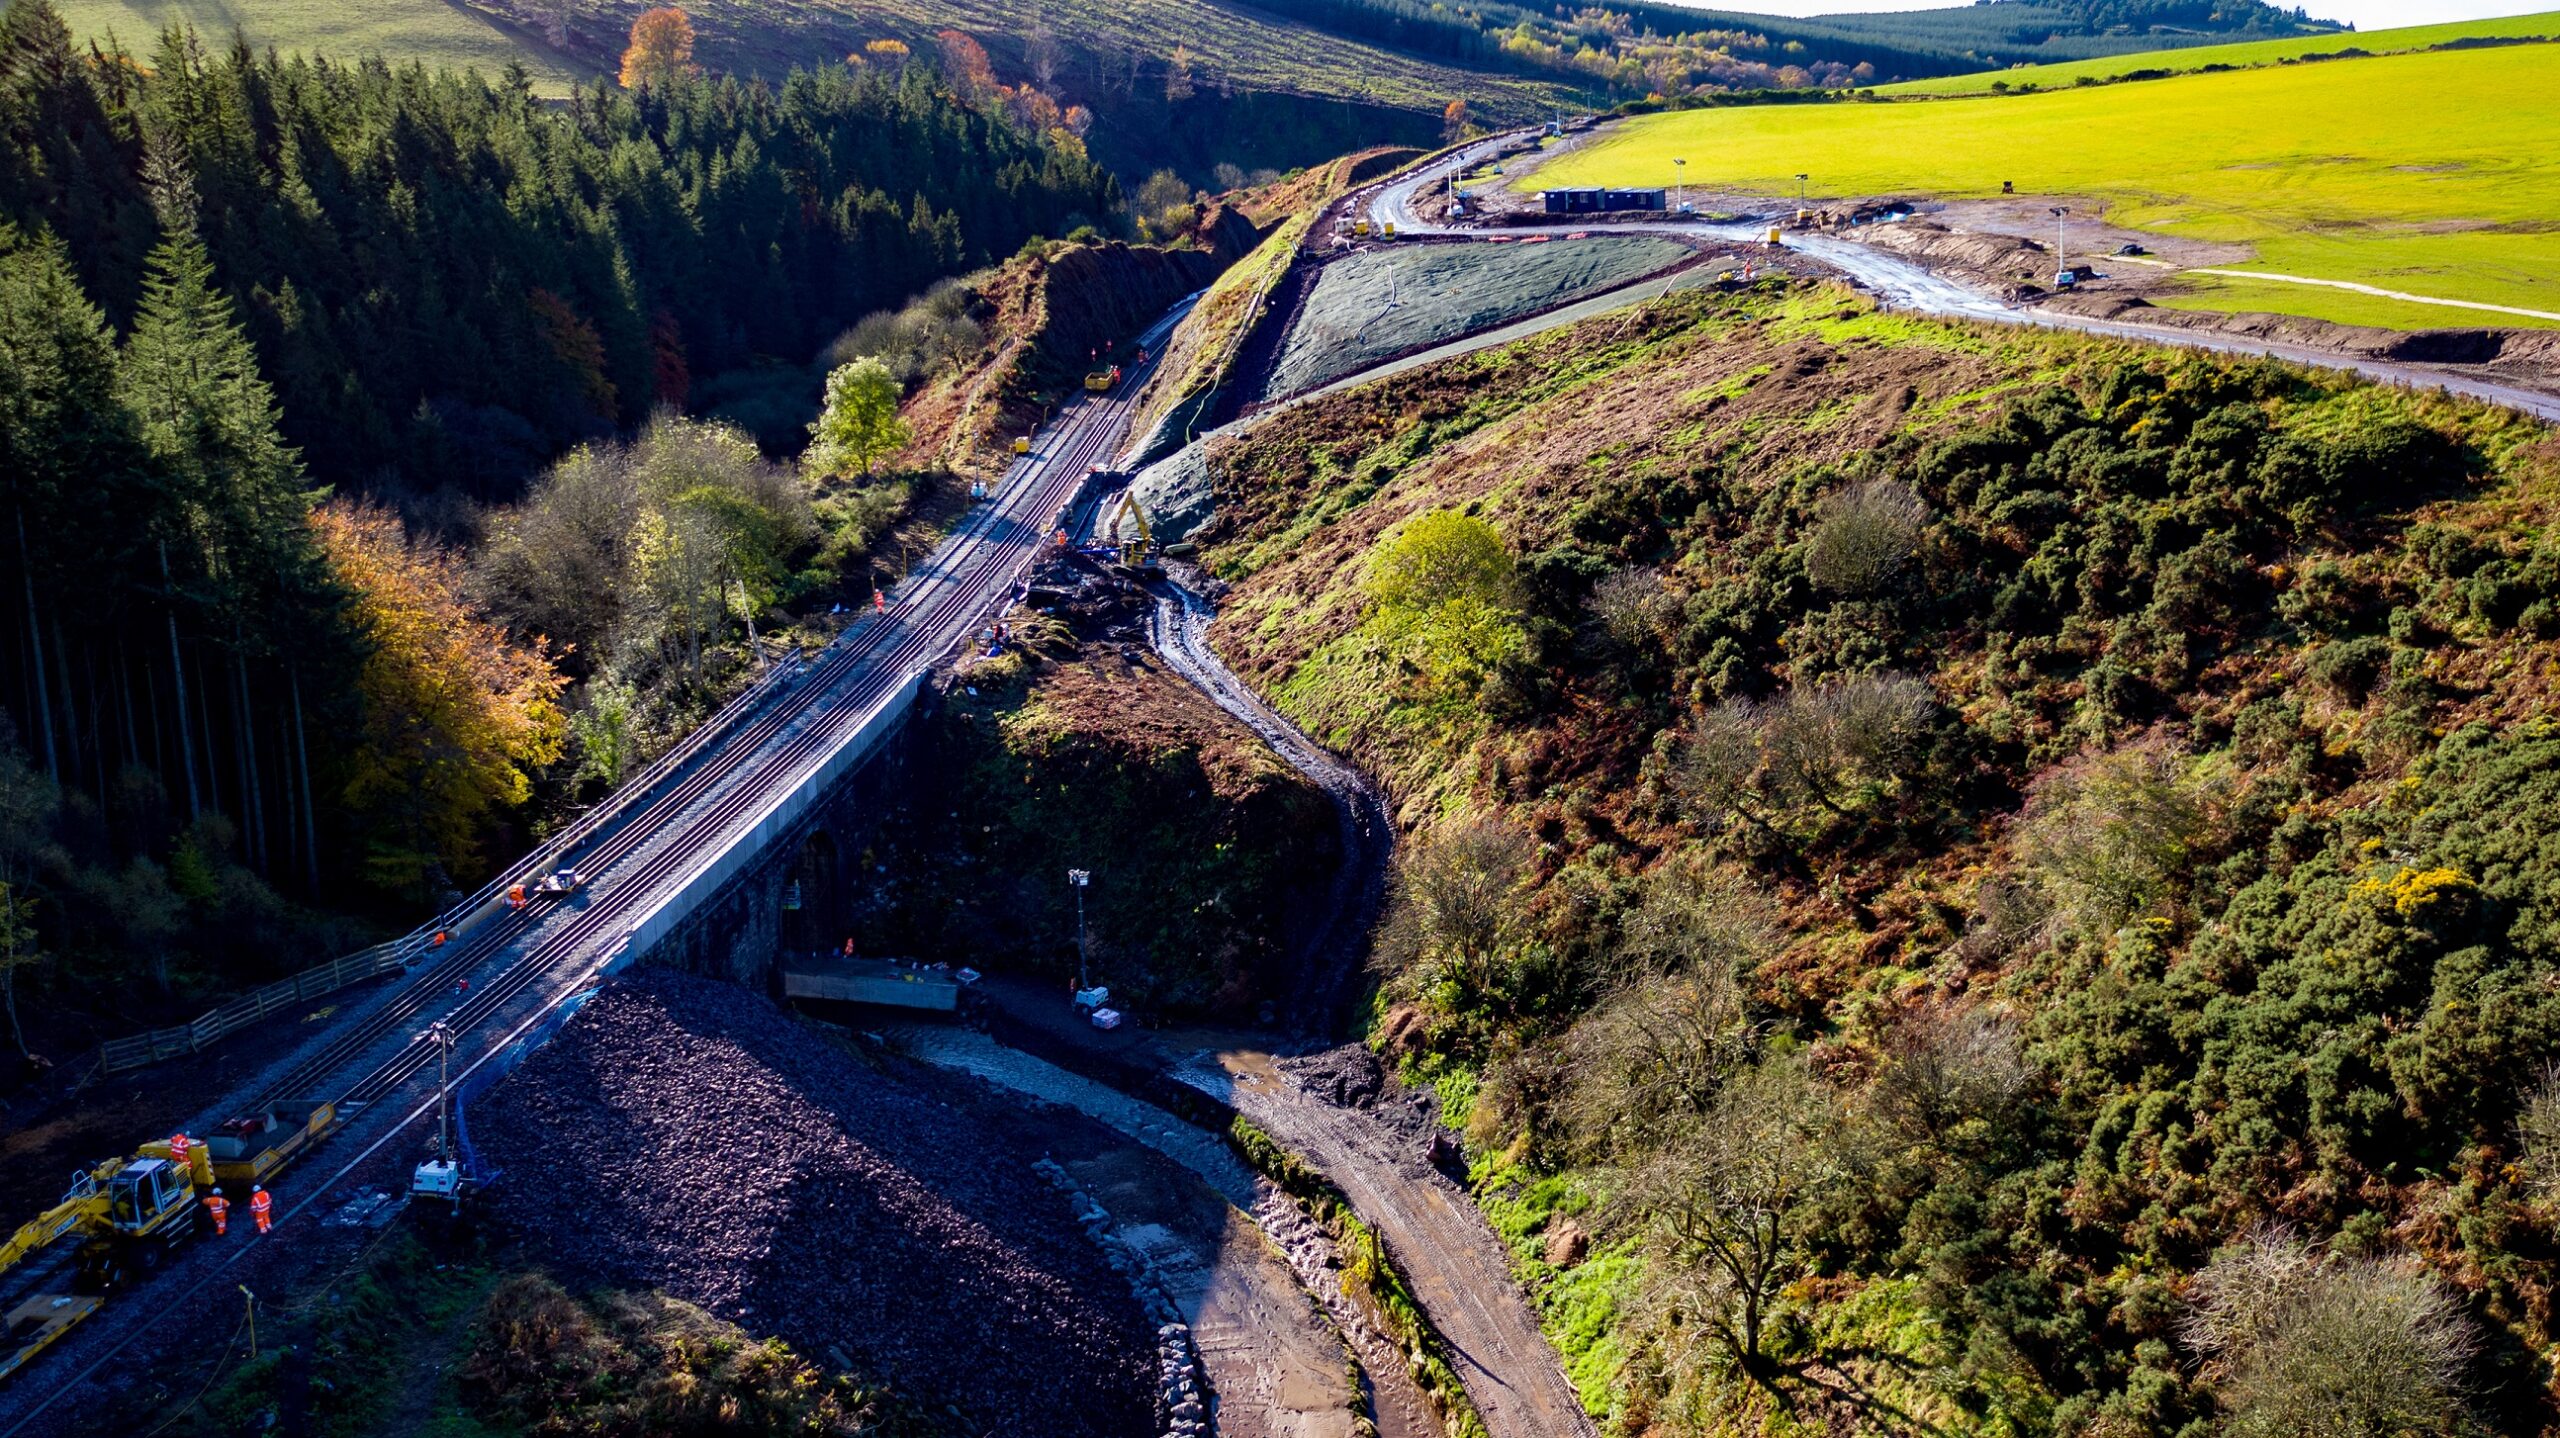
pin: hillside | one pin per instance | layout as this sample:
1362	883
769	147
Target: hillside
1924	838
1186	83
2414	173
2154	64
437	35
1194	84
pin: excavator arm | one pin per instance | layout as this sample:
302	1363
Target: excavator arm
1136	513
85	1206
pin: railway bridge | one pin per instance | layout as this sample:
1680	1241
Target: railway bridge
694	861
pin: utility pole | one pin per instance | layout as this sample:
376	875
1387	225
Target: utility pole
253	1321
2060	217
1077	879
1800	179
439	1034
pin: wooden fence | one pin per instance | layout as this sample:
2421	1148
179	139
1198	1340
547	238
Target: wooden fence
117	1055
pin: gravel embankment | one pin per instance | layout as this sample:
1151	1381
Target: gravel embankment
684	1134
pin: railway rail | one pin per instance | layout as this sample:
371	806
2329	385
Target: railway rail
503	968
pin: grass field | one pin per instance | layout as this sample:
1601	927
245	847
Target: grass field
2252	52
434	32
2433	174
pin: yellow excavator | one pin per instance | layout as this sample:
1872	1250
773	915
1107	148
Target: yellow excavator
1134	552
128	1213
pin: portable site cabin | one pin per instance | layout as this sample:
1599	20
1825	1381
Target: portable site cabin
1589	201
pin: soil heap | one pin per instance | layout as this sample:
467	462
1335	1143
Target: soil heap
685	1135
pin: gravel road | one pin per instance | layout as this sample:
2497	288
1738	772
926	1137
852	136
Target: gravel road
1459	1272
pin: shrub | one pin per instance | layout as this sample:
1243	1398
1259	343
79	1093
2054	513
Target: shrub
1865	536
2308	1345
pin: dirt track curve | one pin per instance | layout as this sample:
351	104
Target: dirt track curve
1375	1153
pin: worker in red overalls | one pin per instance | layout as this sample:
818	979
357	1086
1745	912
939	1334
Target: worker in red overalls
261	1208
220	1207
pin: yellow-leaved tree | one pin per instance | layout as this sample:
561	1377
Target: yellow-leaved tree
1445	597
661	49
454	711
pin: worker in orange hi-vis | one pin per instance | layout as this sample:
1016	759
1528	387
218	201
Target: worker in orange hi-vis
178	1143
879	601
220	1208
261	1208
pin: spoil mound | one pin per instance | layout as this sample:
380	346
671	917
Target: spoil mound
683	1134
1374	305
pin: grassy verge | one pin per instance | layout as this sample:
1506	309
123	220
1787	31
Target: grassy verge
363	1355
1579	1298
1369	1277
2421	173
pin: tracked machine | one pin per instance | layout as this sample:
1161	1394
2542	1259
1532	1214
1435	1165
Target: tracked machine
120	1220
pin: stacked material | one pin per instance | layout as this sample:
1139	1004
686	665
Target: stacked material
685	1135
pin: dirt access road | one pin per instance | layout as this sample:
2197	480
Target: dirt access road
1439	1241
1375	1153
1905	285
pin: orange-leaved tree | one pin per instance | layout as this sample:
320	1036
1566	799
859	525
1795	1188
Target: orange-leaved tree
454	711
661	48
965	67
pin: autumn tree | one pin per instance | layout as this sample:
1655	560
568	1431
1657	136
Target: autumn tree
965	67
860	424
454	710
1455	913
1865	536
661	49
1455	121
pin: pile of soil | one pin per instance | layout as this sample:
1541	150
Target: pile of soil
1375	305
685	1135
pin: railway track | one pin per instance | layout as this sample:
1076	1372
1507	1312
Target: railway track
682	815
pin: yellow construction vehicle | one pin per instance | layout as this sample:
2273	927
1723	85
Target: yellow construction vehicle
1133	552
1101	381
128	1213
248	1151
1360	229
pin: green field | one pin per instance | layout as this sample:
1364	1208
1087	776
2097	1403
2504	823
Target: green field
2253	52
438	33
2431	174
